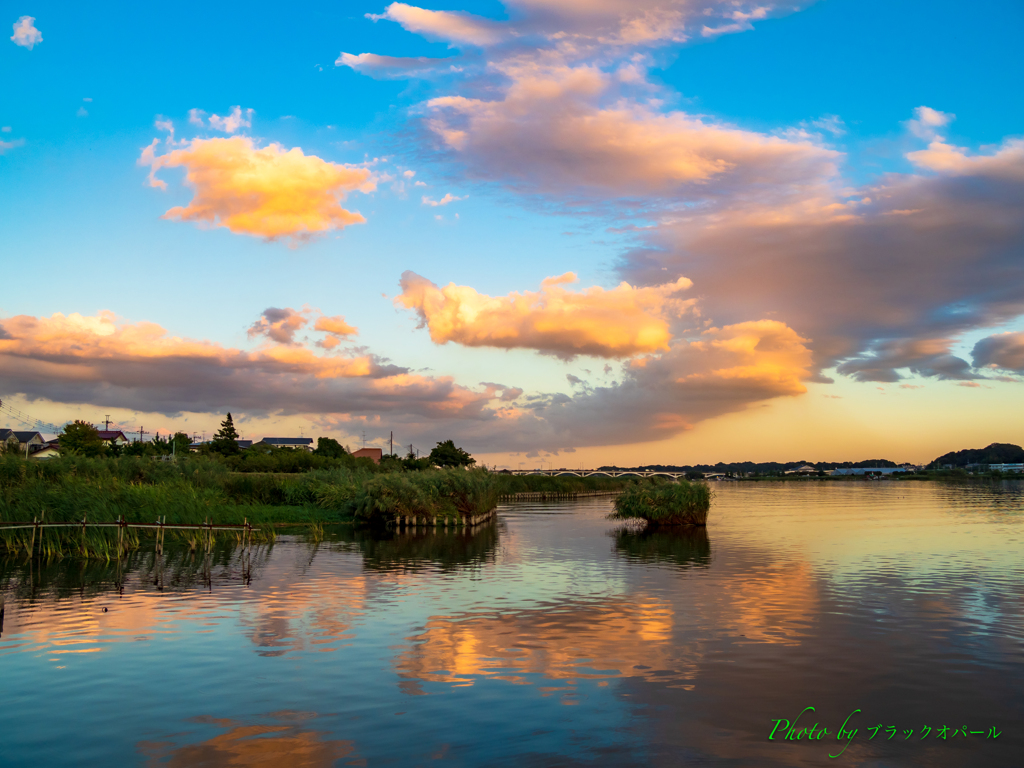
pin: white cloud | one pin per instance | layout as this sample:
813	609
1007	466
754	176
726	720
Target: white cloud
449	198
82	112
928	121
443	25
6	145
236	120
831	123
25	33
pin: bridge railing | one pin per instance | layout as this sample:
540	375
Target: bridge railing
598	472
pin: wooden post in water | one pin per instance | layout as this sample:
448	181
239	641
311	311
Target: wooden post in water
32	544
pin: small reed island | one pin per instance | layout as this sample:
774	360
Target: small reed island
660	503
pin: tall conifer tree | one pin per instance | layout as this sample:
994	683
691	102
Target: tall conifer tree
225	441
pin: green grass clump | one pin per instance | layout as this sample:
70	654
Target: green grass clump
448	494
665	503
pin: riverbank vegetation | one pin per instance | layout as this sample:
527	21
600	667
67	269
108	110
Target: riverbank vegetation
665	503
196	489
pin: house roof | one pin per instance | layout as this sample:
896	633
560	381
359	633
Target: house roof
287	440
5	434
24	437
244	443
111	434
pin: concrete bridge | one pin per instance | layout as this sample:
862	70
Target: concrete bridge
598	473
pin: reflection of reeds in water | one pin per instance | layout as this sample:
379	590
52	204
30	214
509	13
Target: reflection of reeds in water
178	568
108	543
388	550
688	547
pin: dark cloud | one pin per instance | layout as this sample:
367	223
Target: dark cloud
924	258
1004	351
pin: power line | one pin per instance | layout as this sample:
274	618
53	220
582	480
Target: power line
26	419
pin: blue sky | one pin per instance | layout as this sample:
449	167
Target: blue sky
83	231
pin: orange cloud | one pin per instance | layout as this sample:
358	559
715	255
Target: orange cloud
279	325
1006	162
765	353
335	326
619	322
269	192
98	360
88	341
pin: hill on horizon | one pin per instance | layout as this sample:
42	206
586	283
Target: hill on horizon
996	453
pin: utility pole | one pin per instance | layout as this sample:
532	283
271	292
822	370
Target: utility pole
106	423
364	438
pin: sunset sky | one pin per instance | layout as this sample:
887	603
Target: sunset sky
559	232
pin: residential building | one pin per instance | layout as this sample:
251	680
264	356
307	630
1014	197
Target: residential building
1006	467
113	437
51	450
293	443
7	437
374	454
29	442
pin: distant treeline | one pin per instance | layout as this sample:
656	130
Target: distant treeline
755	467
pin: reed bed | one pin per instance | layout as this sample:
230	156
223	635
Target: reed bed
665	503
197	489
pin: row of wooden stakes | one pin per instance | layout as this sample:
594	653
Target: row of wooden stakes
425	521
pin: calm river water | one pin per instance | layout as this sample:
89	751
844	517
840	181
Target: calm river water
555	637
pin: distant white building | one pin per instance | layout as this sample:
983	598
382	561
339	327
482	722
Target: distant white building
869	471
1006	467
806	469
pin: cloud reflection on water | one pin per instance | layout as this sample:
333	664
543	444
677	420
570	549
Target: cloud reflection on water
282	742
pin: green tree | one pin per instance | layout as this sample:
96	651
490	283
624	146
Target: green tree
446	454
81	438
180	444
225	441
329	448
